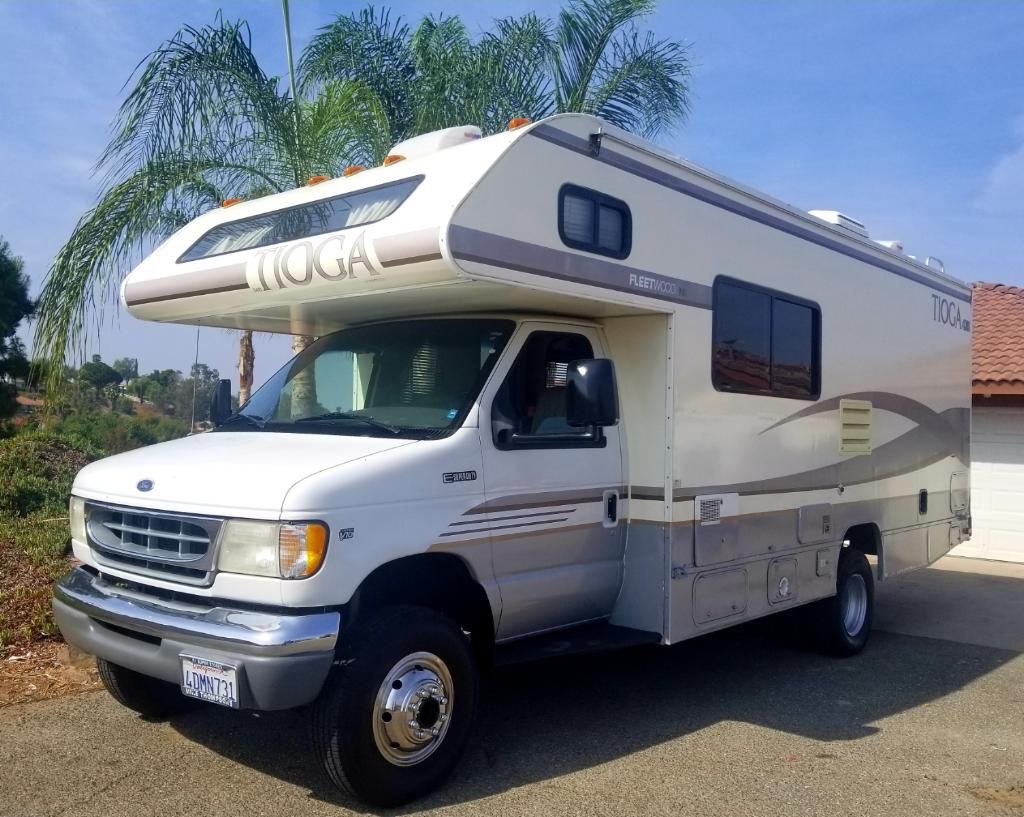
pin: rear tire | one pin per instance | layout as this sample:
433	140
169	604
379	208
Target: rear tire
842	623
148	696
393	720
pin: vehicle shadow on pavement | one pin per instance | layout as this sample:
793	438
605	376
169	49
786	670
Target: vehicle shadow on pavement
541	721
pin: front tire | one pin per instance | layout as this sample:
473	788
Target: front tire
843	622
393	721
150	697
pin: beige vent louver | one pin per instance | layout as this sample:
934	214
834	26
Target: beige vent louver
854	427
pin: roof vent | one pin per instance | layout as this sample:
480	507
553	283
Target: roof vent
427	143
837	219
895	246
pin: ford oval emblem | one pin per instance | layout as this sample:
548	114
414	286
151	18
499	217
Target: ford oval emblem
145	485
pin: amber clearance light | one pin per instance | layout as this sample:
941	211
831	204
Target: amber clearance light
351	170
230	202
316	180
518	122
392	158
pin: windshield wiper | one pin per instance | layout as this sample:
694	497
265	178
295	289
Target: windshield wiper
349	415
252	419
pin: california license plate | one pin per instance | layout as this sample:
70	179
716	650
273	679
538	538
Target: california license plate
209	681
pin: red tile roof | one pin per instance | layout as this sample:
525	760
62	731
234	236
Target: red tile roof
997	338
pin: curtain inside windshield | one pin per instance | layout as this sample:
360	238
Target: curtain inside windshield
416	375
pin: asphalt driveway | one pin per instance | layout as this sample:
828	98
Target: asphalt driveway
928	721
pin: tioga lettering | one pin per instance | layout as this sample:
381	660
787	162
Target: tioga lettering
333	258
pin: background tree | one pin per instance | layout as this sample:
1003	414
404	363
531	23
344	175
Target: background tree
98	375
127	367
204	122
15	306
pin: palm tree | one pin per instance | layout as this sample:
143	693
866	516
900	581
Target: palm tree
204	122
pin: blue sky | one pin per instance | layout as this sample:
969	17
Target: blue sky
906	115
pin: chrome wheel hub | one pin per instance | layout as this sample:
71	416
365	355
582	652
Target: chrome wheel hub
412	712
854	604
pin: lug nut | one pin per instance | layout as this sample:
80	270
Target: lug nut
444	701
435	731
443	717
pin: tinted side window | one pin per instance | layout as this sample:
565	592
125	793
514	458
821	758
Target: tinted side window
793	350
531	401
593	222
765	342
742	339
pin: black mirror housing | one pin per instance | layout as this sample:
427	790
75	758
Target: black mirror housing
220	406
591	397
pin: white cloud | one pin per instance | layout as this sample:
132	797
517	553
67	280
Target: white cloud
1003	192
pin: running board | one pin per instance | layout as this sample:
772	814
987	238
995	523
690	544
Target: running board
586	638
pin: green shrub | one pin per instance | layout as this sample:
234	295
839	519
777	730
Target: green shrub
36	472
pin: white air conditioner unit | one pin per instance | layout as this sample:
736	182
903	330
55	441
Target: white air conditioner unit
427	143
837	219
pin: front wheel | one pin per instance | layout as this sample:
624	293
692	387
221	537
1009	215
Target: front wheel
842	623
150	697
394	720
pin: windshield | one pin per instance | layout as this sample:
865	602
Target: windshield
411	379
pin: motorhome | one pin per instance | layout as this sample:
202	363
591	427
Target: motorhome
568	391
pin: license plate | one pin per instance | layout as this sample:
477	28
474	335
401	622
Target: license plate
209	681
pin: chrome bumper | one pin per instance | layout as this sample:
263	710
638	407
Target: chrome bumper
283	658
222	628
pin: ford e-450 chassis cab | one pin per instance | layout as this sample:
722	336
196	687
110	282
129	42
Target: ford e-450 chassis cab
566	388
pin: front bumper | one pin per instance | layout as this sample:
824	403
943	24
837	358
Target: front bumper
282	659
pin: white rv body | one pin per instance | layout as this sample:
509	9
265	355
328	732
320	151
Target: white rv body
703	507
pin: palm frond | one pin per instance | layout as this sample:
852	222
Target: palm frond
203	84
642	85
131	217
345	124
585	30
510	74
366	46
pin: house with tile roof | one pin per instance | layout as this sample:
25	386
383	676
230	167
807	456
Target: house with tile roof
997	429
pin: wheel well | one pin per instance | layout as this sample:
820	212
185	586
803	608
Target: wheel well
866	538
440	581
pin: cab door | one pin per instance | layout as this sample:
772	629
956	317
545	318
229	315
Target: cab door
554	492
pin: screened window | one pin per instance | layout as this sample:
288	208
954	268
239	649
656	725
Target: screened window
316	218
765	342
594	222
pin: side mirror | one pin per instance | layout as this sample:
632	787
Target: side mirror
220	406
591	397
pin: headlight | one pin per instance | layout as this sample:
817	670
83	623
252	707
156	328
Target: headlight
286	550
76	512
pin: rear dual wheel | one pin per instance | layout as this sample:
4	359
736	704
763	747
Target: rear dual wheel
394	719
842	623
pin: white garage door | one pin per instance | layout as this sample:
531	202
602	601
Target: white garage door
997	485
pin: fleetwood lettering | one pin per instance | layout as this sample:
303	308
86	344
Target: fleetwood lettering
334	258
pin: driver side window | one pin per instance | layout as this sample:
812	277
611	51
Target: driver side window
529	409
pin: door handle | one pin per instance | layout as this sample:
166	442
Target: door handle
611	507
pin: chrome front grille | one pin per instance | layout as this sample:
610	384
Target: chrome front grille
173	546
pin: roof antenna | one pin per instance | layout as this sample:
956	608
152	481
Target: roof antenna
195	383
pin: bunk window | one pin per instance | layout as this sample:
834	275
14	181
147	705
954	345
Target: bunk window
593	222
316	218
765	342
